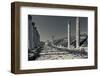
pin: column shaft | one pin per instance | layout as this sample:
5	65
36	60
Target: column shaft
69	35
77	32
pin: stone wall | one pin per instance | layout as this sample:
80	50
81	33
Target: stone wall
33	35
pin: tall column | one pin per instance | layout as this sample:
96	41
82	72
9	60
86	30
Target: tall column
30	34
77	32
69	34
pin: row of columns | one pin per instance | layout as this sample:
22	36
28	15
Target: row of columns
77	33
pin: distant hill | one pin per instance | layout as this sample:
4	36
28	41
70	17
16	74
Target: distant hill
64	41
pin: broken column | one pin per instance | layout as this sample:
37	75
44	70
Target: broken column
69	34
77	32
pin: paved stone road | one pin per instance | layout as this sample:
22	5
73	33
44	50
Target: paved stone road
60	55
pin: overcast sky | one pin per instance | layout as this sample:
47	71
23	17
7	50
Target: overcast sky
57	26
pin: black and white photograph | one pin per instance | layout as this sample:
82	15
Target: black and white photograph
57	37
53	37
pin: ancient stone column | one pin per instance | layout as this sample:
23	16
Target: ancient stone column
77	32
69	34
30	34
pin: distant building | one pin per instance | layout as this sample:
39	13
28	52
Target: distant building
47	42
